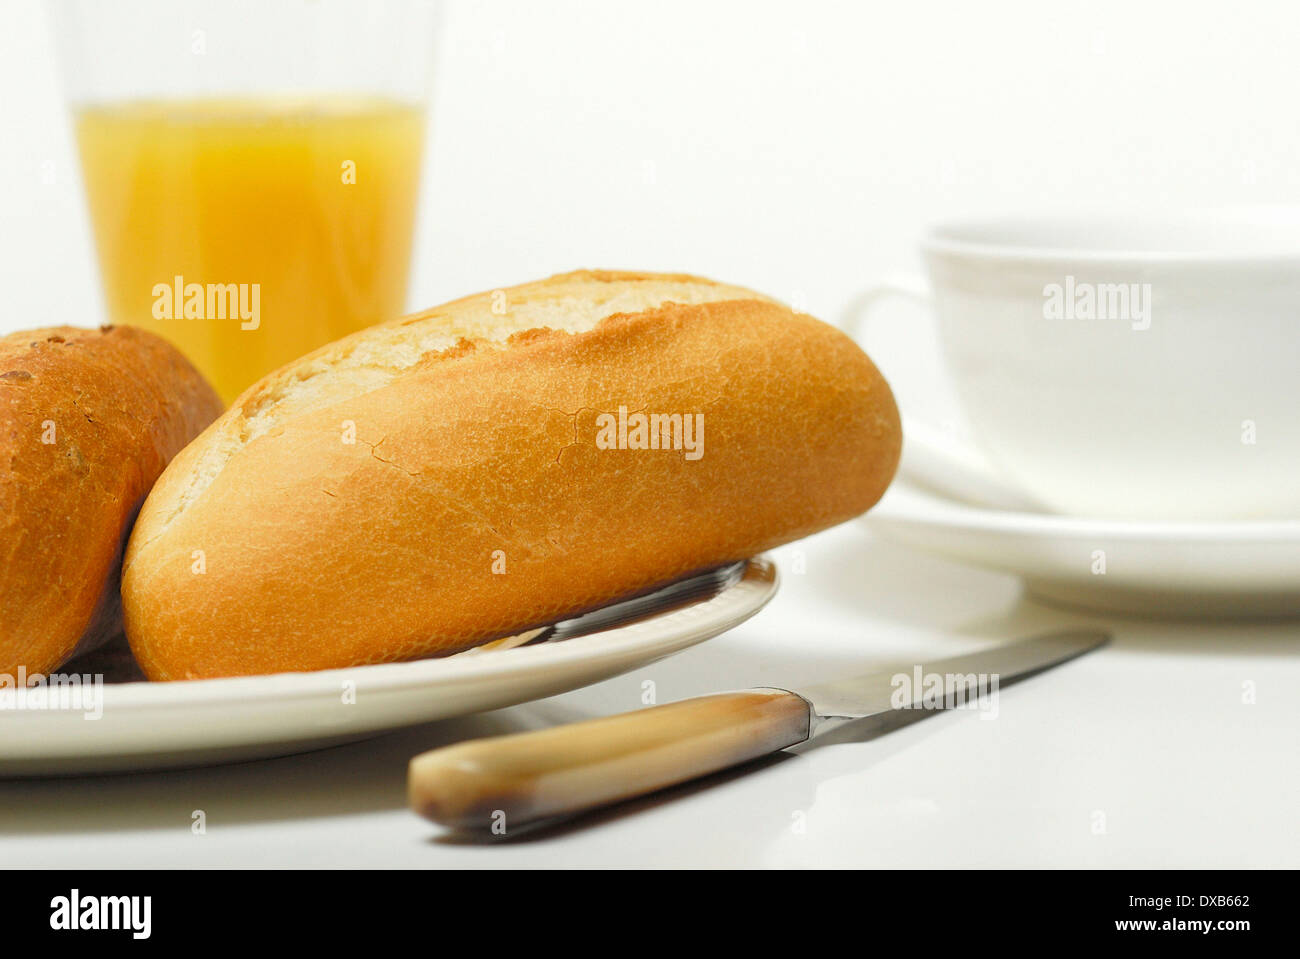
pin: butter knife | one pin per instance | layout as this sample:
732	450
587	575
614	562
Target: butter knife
526	777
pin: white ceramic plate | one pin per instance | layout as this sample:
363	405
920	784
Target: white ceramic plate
1160	569
205	722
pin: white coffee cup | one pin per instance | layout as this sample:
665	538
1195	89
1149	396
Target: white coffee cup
1131	367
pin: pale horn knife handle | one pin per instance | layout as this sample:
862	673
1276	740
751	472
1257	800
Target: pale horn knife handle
495	784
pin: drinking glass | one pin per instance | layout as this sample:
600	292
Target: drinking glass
251	166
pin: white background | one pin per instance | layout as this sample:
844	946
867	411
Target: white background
798	148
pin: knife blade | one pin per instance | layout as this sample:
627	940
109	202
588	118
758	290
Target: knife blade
499	783
959	681
655	602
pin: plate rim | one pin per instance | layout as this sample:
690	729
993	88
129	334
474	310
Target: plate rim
760	574
938	511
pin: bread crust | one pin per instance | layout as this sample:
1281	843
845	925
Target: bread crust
476	500
88	420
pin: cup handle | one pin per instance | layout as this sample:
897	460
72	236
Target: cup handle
901	286
932	456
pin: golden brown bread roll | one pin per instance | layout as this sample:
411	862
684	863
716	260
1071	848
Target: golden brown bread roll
88	420
472	471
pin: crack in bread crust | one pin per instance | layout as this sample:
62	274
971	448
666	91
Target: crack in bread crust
373	358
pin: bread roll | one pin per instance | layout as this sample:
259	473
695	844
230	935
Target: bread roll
474	470
88	420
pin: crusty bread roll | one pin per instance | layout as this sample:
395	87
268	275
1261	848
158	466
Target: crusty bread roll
88	420
452	476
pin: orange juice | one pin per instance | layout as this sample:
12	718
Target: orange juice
249	232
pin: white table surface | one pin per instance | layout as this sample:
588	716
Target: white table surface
1141	754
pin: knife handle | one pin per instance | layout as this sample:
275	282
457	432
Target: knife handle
505	781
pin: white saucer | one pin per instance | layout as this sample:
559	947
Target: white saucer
1248	568
206	722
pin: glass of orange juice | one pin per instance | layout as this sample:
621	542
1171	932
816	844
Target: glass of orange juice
251	167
